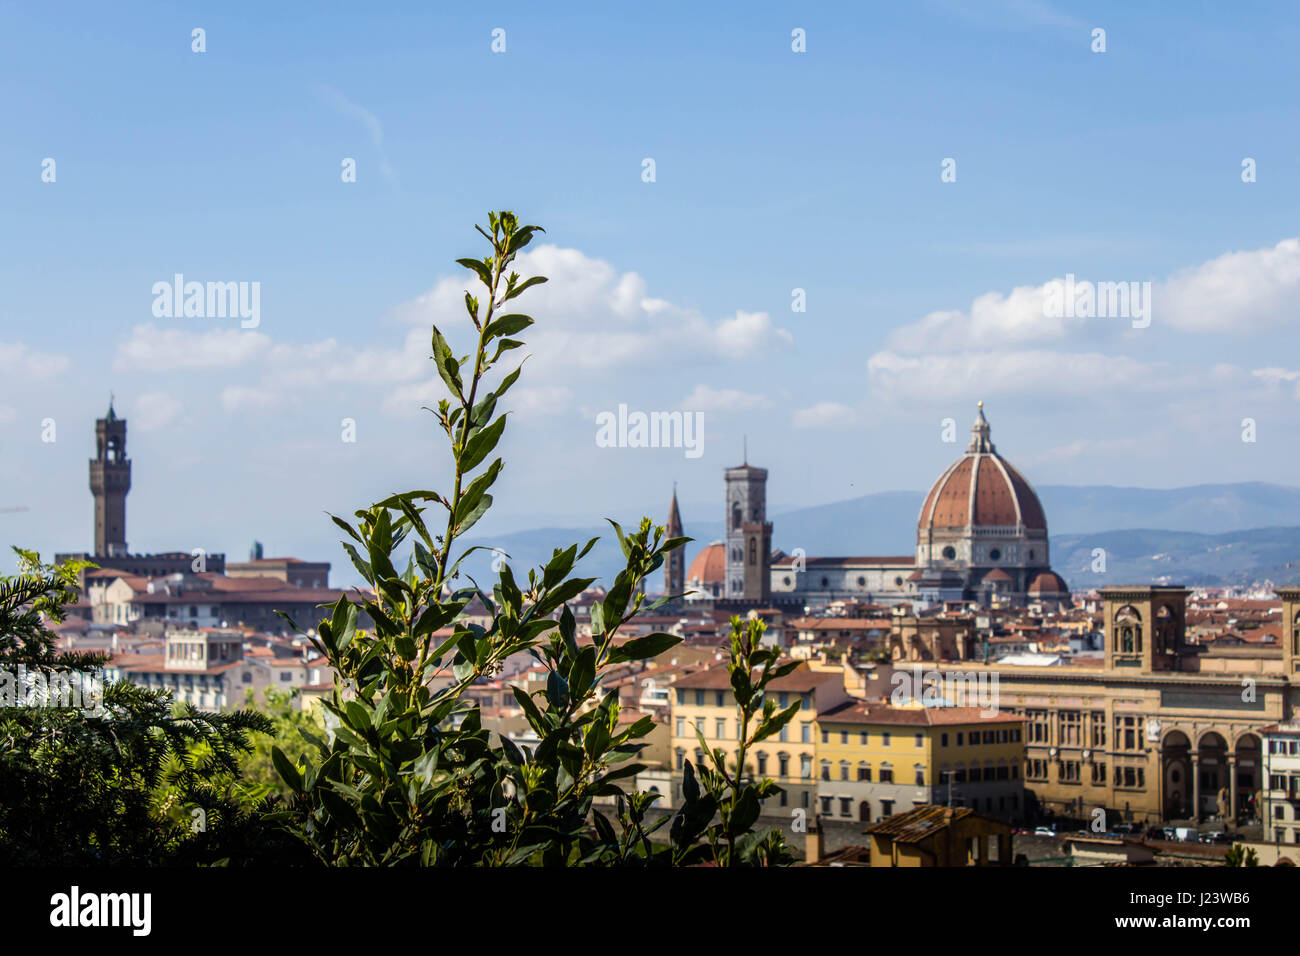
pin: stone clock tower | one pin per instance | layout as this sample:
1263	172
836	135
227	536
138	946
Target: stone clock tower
110	480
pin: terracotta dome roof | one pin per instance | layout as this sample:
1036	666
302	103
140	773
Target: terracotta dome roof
1048	582
981	489
998	575
709	566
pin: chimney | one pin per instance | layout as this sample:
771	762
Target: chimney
813	841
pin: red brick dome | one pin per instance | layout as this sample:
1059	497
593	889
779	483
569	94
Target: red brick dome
981	489
1048	582
709	566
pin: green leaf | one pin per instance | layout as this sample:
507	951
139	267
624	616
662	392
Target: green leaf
287	771
511	324
448	367
481	444
643	648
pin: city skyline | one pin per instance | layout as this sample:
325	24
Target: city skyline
922	296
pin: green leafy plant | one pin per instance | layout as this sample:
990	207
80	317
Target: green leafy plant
81	786
406	773
1241	856
730	793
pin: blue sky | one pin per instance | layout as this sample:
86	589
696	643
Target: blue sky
775	170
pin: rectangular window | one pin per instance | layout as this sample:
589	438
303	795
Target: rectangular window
720	728
1070	728
920	740
884	739
1098	722
805	731
719	700
826	736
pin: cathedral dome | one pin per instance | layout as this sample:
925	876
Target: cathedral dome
709	567
981	490
1048	583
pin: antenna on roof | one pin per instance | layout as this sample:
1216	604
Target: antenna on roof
744	454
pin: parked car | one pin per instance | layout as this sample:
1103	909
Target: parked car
1215	836
1186	834
1045	831
1124	829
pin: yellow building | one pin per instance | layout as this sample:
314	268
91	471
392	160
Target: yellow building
704	700
875	760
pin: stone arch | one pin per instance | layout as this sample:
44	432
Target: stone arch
1246	766
1127	636
1176	773
1213	783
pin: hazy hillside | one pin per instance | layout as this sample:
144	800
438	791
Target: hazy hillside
1202	539
1180	557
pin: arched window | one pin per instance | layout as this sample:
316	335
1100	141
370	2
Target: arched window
735	515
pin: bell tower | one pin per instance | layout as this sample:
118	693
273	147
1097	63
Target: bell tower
110	480
749	535
675	565
1145	627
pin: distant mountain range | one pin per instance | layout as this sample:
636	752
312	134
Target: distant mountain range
1208	534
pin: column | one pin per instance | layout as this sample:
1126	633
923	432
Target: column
1196	786
1232	787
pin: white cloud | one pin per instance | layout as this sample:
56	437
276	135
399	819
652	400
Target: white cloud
592	317
154	410
154	349
1238	292
937	378
823	415
19	361
706	399
243	398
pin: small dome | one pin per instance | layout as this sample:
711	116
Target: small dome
1048	582
709	566
998	576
